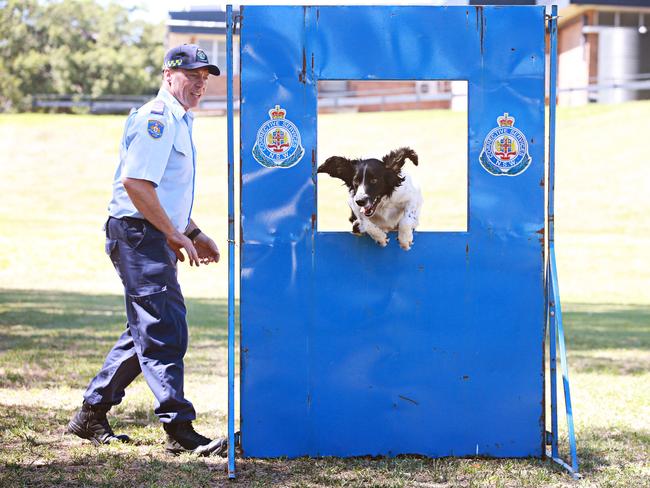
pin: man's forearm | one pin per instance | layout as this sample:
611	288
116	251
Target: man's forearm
145	199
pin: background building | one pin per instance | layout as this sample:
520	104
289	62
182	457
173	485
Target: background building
603	56
206	27
605	46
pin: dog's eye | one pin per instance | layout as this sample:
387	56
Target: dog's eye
373	181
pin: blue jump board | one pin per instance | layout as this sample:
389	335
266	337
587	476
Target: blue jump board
350	349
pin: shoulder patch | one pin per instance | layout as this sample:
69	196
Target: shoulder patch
155	128
158	107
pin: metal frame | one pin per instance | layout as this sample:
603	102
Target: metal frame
231	250
554	310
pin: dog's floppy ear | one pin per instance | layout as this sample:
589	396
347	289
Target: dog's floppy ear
338	167
395	159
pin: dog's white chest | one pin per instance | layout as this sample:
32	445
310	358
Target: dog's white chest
388	218
405	202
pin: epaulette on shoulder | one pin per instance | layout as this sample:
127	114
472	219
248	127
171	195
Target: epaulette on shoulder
158	107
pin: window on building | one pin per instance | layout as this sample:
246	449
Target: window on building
605	18
629	19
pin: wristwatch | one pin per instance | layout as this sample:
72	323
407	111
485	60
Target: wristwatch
194	234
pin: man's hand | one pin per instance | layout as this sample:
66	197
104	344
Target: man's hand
206	249
178	241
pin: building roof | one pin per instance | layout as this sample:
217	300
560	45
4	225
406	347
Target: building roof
203	20
566	3
503	2
613	3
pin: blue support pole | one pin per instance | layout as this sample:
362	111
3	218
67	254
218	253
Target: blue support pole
552	103
553	367
563	360
551	227
231	251
556	331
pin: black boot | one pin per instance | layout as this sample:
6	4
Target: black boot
91	423
181	437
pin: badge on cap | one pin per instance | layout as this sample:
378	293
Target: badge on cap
201	56
155	128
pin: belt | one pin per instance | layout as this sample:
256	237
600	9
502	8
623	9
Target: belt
129	219
134	220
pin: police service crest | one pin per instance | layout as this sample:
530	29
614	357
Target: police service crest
155	128
505	149
277	144
201	56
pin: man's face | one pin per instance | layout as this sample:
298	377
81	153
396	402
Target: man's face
187	85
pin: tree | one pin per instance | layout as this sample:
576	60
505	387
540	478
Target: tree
75	47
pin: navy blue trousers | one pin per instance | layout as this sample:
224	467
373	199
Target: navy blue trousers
155	339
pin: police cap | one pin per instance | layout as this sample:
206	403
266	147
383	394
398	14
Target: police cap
189	56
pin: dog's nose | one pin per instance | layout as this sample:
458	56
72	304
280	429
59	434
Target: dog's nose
362	202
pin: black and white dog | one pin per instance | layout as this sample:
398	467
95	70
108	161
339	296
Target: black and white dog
382	197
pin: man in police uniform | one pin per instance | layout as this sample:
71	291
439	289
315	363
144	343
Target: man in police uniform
148	229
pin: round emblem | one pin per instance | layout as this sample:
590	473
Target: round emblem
201	56
277	144
505	149
155	128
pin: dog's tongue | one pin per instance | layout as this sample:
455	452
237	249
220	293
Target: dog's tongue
363	210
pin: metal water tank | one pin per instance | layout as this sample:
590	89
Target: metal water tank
619	59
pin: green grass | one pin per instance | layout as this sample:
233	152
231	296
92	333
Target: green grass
52	342
61	307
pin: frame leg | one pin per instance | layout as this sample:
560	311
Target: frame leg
231	251
556	333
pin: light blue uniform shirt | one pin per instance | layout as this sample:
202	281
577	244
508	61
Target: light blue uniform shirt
157	146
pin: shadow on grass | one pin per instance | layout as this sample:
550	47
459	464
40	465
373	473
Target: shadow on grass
43	332
67	311
608	339
588	326
52	337
592	326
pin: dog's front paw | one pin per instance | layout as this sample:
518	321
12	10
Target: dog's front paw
406	245
382	240
356	229
405	238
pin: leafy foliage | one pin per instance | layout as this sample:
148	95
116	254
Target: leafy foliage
75	47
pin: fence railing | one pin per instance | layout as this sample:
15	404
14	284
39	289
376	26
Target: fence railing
95	105
343	100
597	87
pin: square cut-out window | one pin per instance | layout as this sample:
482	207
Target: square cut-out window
368	119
